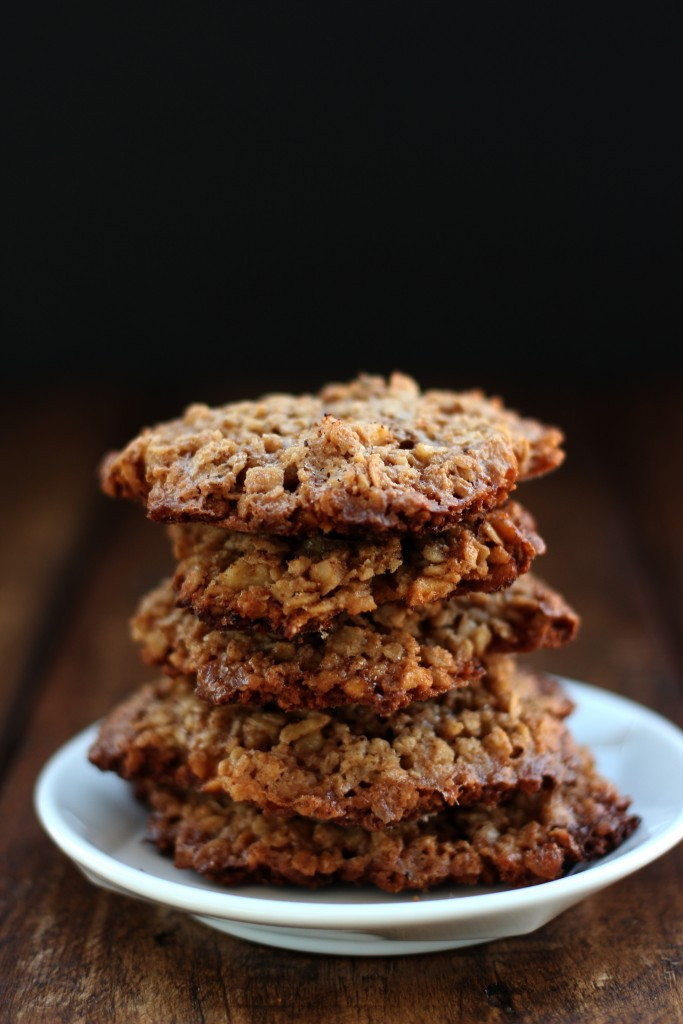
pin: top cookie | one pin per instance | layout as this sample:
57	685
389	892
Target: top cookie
370	455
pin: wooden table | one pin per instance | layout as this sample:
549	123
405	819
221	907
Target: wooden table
74	565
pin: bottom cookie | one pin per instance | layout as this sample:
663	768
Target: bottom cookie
529	839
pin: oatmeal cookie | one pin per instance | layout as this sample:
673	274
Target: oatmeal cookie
367	456
477	744
531	838
385	659
293	584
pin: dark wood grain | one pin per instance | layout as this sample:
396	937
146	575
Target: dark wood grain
70	952
48	530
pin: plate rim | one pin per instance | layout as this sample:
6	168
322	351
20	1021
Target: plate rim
319	914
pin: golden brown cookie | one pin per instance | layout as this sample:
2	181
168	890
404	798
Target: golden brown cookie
476	744
366	456
289	585
531	838
385	659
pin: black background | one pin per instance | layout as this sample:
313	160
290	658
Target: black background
210	198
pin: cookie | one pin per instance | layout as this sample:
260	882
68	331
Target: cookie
476	744
531	838
385	659
292	584
367	456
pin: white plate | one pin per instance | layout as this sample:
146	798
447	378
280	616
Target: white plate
94	819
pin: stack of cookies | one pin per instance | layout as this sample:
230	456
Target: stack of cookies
341	699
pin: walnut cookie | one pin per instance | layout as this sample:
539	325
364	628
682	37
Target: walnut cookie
531	838
477	744
369	456
289	585
385	659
